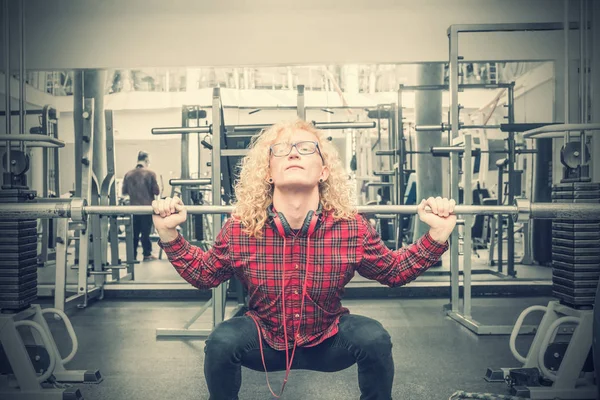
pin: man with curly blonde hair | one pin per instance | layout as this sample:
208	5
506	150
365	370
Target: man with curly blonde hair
295	240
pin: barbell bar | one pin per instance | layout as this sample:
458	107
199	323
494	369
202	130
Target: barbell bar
521	211
254	128
448	127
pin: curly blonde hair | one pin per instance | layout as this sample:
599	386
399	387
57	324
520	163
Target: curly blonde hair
254	194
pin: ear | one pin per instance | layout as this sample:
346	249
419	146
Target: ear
324	173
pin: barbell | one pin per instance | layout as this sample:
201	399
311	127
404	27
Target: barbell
78	210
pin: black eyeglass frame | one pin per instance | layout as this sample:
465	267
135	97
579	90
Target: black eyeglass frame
292	145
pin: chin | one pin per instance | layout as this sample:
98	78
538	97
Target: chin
297	183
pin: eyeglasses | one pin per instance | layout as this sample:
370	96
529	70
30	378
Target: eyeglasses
305	148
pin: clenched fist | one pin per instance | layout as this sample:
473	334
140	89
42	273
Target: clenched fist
441	221
168	214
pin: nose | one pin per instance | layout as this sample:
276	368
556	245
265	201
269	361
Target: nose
294	153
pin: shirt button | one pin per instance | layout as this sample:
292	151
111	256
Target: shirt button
297	315
295	292
296	266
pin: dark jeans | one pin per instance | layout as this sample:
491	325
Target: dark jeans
360	340
142	224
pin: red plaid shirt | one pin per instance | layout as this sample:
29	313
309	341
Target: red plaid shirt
338	249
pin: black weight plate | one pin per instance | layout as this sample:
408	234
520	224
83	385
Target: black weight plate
567	266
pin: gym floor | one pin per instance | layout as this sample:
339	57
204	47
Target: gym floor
434	356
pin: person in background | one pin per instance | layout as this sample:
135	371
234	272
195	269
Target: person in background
141	185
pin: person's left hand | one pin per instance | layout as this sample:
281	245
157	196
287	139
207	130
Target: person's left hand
440	219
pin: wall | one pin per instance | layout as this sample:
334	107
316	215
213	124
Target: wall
64	34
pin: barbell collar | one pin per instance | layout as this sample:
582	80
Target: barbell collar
523	210
78	210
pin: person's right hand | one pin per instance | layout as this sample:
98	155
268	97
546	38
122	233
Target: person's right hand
168	213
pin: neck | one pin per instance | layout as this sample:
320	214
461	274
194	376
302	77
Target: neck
295	204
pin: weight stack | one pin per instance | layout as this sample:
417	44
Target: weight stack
18	255
576	248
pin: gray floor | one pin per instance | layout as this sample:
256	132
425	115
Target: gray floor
434	356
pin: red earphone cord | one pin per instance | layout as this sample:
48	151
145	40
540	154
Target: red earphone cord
288	361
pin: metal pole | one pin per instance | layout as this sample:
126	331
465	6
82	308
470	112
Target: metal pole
454	121
583	73
448	127
460	87
582	68
190	182
301	106
547	131
511	181
467	240
400	170
500	217
22	73
181	130
318	125
218	292
566	69
186	228
7	96
72	209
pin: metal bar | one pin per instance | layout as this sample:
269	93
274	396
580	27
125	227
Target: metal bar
454	237
318	125
22	94
500	218
218	300
454	177
181	130
537	133
190	182
391	209
60	283
61	209
382	184
17	112
460	87
524	126
565	27
582	68
510	263
301	105
185	166
516	27
7	95
234	152
399	170
448	127
446	150
386	152
31	138
467	241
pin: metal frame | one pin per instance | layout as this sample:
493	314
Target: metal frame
219	294
556	130
566	382
89	192
49	128
453	36
28	382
